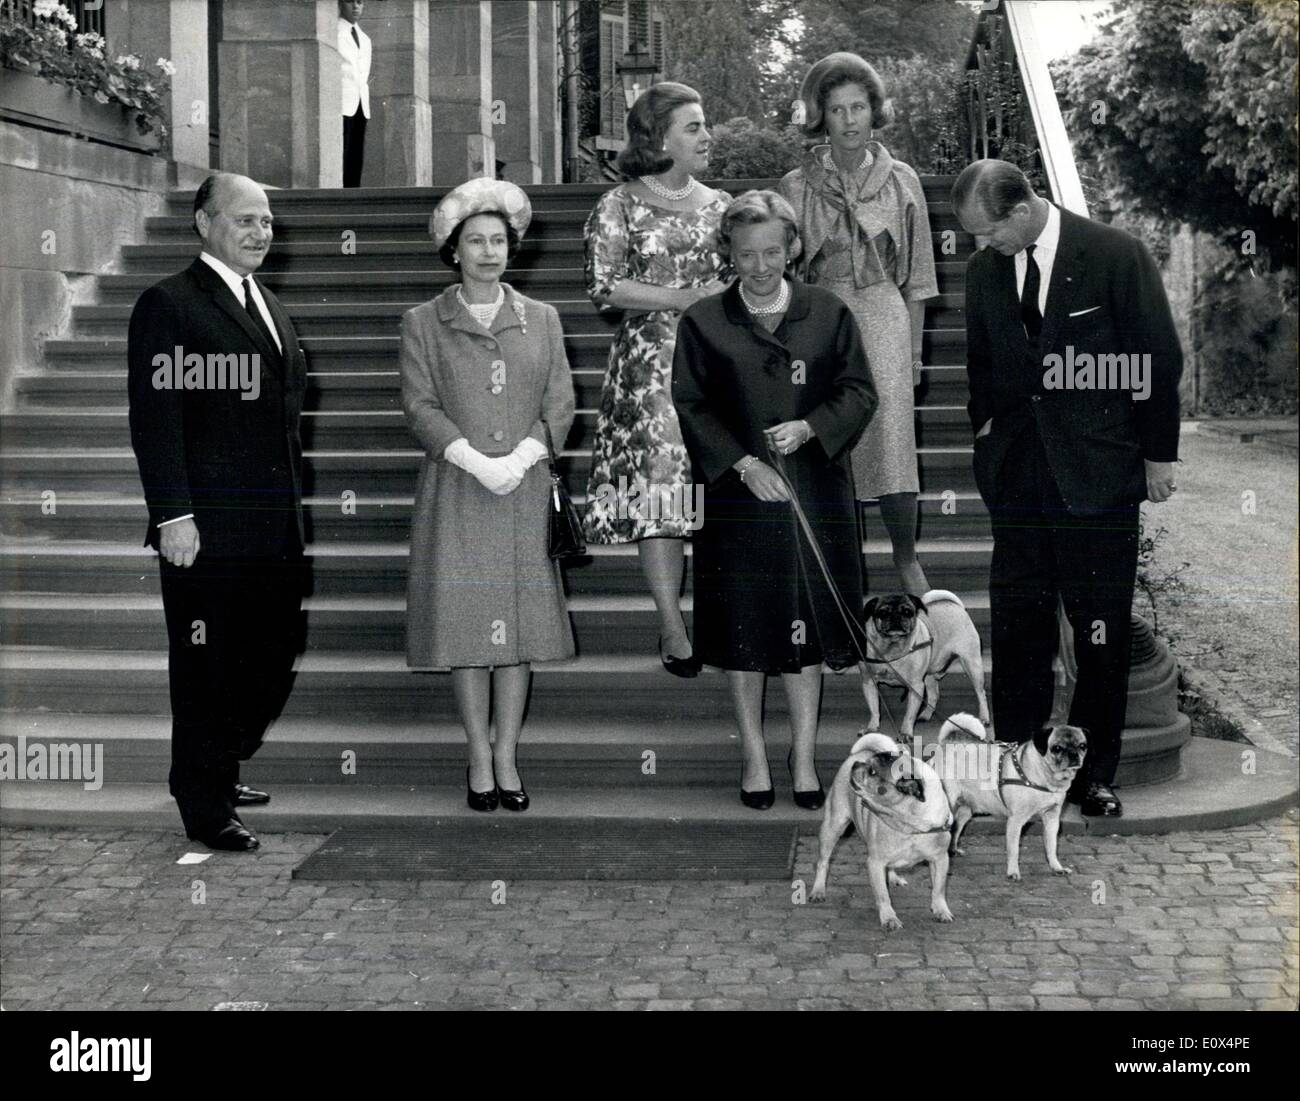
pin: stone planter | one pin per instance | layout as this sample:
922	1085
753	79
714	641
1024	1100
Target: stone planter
34	101
1155	731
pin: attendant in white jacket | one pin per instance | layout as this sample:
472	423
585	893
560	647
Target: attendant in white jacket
354	50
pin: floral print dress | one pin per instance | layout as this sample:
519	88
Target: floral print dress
638	440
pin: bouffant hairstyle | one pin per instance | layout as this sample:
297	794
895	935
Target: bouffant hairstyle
447	253
993	186
754	208
647	123
834	71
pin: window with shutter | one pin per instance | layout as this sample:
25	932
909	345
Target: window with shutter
612	105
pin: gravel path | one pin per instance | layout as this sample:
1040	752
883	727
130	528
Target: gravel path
1241	582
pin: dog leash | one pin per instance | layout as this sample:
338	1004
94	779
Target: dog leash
840	605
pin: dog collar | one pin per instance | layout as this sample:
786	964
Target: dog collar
1020	779
886	661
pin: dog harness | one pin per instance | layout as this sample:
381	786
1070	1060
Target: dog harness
1020	779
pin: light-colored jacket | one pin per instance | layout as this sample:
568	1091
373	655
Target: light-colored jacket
356	69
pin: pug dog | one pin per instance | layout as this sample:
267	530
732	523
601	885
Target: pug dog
911	642
1015	782
899	809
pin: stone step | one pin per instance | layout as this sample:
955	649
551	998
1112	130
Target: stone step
941	384
362	684
540	249
375	391
542	197
371	430
351	319
341	568
624	623
98	474
370	227
1209	793
380	286
941	348
113	517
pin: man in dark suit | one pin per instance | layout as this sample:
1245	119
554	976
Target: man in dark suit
1074	364
216	389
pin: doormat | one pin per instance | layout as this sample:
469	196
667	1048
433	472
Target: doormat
590	848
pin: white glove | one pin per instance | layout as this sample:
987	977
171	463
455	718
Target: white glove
491	474
531	451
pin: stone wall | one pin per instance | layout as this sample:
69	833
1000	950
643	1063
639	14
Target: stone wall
69	207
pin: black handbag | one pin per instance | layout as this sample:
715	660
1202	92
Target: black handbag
564	536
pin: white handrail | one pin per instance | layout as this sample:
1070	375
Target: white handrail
1053	142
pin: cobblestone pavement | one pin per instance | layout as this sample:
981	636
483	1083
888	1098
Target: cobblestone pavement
106	919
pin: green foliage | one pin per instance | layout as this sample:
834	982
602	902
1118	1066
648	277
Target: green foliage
741	150
1249	55
51	49
937	30
1188	112
715	46
1247	345
921	90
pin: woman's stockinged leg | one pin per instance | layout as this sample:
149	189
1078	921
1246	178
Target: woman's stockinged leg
898	510
803	691
747	696
472	689
663	562
509	698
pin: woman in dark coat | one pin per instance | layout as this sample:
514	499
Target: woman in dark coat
772	363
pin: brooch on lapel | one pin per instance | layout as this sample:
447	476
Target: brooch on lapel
519	313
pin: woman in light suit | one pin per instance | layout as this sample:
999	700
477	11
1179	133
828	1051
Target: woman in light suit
484	381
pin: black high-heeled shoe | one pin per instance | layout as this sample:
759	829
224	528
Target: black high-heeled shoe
808	800
679	667
757	800
480	800
514	800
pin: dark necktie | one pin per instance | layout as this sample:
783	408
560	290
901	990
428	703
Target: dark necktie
1030	314
355	39
253	312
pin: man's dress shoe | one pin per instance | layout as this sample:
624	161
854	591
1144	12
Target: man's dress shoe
230	836
249	797
1097	801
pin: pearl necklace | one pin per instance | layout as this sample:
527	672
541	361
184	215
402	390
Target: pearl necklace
782	300
485	313
668	193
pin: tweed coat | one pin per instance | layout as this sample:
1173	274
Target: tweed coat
481	589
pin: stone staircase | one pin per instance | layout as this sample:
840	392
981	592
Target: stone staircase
83	655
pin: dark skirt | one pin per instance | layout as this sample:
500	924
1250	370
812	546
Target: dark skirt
761	603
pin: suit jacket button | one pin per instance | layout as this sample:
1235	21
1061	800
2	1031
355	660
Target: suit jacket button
498	435
497	389
1036	397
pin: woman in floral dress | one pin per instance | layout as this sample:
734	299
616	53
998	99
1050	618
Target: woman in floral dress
651	252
